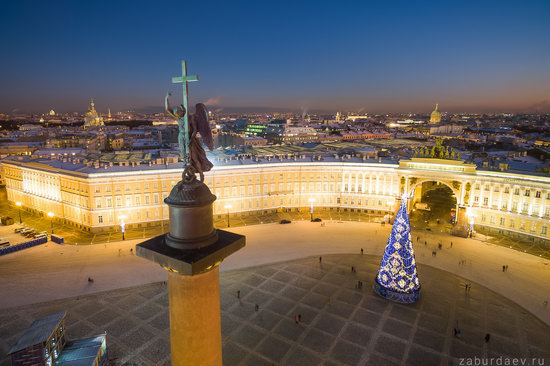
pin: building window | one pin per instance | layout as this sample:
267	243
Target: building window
147	199
537	194
109	202
100	219
543	230
516	191
485	201
502	219
506	190
527	193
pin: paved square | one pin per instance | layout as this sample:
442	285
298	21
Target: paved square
340	325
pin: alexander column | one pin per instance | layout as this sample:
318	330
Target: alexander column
193	250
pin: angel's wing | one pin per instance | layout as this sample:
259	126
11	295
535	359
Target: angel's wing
201	120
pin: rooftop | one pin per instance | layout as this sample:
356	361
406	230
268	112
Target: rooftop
81	352
39	331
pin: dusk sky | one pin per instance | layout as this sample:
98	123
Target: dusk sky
383	56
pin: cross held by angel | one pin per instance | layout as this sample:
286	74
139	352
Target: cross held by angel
190	128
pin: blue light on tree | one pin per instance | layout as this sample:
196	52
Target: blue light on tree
397	279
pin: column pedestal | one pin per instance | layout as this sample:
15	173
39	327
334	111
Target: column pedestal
191	253
195	322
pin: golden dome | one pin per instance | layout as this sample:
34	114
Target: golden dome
435	117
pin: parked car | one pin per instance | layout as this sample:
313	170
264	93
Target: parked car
30	233
4	243
40	235
317	219
19	229
285	221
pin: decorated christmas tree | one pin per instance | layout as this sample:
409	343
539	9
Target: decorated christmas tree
397	279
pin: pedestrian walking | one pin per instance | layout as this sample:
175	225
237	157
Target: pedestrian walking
132	250
119	252
296	319
320	259
545	303
256	307
451	244
440	246
506	268
503	268
361	251
425	243
238	294
487	337
299	318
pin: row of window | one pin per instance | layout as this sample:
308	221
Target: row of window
512	224
517	191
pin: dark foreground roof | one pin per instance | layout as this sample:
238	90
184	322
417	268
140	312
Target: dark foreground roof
39	331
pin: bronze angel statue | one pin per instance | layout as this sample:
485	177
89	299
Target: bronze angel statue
196	162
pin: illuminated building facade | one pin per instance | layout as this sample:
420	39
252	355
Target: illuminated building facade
95	196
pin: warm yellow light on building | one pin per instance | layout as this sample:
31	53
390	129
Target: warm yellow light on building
51	214
18	204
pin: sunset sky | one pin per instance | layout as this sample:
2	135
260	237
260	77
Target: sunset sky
383	56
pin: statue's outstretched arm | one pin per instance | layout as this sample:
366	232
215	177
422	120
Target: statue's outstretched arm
167	105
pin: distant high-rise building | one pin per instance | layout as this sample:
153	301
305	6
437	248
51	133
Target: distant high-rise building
435	117
92	118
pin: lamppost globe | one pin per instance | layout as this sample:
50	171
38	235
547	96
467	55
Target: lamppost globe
19	204
122	226
51	215
228	207
311	201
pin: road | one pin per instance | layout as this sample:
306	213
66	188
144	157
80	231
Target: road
52	271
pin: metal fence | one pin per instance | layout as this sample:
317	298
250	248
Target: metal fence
18	247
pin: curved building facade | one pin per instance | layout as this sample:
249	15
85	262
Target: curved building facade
98	198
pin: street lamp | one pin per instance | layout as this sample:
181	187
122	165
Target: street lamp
122	225
311	202
19	204
51	215
471	217
228	207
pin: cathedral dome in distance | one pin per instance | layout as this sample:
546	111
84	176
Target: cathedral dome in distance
435	117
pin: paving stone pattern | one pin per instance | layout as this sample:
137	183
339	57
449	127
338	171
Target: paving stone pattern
340	324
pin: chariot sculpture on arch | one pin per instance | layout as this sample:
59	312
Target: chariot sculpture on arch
190	128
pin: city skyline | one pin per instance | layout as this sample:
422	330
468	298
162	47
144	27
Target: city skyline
375	58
